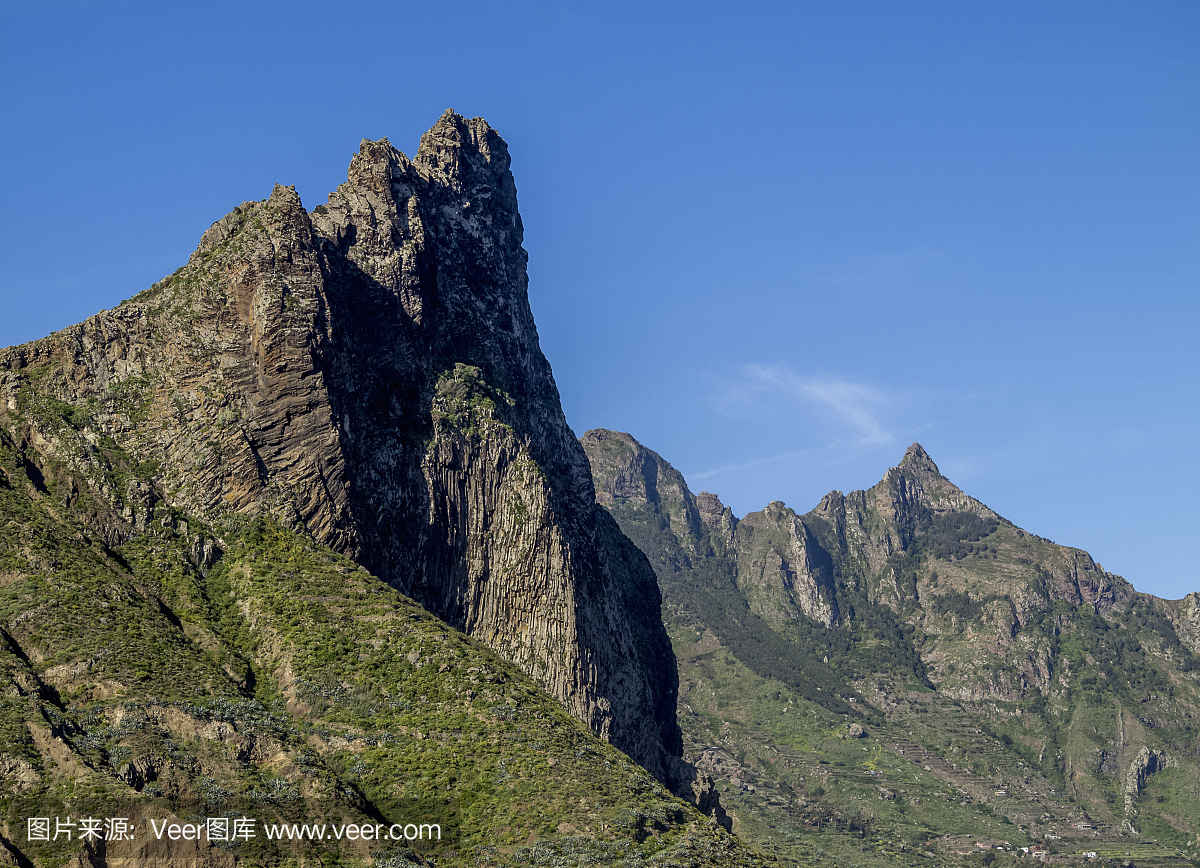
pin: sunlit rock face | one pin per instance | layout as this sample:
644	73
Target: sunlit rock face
369	372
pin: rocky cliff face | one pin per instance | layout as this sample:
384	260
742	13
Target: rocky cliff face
1185	615
369	373
627	473
782	570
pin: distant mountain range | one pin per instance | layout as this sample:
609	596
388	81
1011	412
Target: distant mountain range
977	664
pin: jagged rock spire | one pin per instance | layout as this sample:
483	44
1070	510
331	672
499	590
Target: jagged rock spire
370	374
916	458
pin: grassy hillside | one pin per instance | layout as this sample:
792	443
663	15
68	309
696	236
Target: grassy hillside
178	671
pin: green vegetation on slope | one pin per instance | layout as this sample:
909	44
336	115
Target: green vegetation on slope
243	670
707	592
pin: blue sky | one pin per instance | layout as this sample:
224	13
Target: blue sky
775	242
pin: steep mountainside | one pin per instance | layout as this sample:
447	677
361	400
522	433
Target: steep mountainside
222	502
1008	663
285	684
370	374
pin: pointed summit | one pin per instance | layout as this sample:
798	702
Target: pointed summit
916	458
916	479
463	152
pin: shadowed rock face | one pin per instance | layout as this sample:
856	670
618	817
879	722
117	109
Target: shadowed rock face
370	372
781	569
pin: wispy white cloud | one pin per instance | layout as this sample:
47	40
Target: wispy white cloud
851	412
855	405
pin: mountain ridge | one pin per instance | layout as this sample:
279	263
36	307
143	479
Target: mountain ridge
906	599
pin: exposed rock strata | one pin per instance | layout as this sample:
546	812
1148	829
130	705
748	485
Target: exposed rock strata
1145	763
915	585
1186	618
717	517
630	474
782	570
371	373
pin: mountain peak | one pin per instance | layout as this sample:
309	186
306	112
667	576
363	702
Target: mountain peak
916	479
466	150
375	164
336	340
916	458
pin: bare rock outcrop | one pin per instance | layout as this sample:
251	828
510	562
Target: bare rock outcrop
698	787
782	570
369	373
1146	762
717	517
1186	618
626	473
